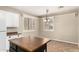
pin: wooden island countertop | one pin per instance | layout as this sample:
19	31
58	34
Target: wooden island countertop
29	44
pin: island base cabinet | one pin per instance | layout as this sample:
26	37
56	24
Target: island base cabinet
14	48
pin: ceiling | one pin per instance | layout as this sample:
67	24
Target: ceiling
41	10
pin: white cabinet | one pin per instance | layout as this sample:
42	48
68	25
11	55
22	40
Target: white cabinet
2	41
12	19
2	31
2	21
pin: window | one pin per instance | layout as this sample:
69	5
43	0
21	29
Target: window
48	25
29	24
26	23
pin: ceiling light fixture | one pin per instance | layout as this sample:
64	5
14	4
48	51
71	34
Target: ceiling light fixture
47	19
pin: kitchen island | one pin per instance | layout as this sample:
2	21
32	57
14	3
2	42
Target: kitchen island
34	44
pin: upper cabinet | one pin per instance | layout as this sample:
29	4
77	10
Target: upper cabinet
12	19
2	21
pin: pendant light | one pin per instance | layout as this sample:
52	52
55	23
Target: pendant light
46	17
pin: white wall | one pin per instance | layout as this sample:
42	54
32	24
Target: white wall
78	27
12	29
65	28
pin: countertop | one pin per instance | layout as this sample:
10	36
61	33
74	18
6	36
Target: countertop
30	43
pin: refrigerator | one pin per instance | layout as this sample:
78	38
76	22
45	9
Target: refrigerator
2	31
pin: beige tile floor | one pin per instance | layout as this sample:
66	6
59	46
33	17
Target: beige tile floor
56	46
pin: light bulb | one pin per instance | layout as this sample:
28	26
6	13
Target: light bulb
44	20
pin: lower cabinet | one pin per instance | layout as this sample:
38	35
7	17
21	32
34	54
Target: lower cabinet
15	48
20	50
12	50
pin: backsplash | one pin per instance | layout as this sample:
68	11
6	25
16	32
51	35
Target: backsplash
12	29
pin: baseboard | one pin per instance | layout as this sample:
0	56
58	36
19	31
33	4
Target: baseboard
66	41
